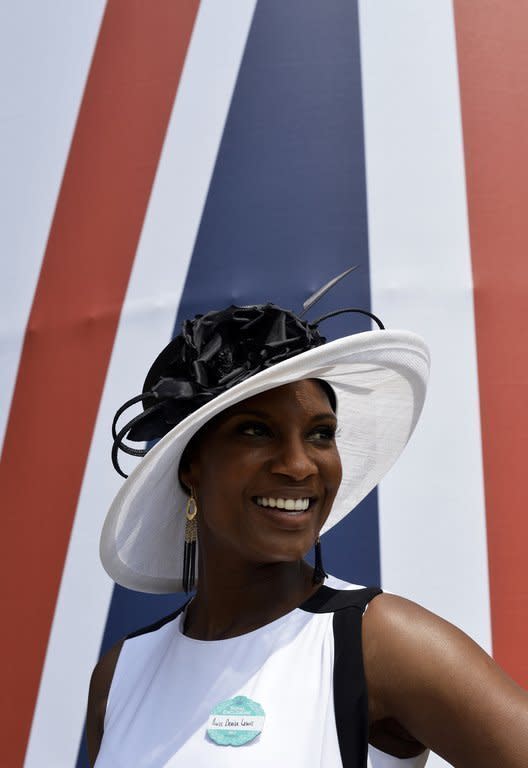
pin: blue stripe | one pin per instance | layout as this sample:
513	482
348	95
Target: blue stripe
286	211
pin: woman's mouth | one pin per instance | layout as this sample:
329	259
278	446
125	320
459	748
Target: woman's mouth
289	505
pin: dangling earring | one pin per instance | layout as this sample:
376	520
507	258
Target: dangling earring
319	574
189	547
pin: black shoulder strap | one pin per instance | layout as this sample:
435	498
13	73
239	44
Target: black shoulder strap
329	600
350	688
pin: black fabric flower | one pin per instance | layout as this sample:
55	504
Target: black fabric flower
214	352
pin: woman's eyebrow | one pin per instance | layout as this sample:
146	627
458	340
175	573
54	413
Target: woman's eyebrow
268	415
325	415
251	412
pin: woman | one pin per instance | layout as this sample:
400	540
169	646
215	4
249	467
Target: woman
269	438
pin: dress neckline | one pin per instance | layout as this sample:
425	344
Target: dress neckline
324	600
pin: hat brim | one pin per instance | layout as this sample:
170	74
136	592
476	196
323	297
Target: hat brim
379	379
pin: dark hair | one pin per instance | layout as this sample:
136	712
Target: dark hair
329	392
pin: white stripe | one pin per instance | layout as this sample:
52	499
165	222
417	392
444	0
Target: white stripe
45	53
146	324
432	516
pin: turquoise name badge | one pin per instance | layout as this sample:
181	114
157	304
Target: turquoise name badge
235	722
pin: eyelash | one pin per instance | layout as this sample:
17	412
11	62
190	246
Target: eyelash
329	433
252	425
326	432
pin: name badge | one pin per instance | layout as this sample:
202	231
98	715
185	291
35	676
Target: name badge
235	722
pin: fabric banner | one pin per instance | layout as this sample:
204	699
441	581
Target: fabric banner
162	159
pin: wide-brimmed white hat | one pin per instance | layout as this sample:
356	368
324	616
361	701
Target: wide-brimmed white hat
379	379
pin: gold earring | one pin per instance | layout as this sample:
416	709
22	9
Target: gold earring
189	547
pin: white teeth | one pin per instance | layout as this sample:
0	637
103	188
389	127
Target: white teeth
290	505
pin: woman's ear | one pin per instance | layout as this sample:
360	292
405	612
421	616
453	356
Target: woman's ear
186	477
188	470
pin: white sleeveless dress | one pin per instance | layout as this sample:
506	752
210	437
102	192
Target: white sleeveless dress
166	684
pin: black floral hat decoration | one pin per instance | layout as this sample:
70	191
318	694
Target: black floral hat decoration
214	352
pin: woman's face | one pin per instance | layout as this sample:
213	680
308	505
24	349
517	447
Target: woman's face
265	473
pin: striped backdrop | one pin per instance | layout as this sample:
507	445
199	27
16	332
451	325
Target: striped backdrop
162	158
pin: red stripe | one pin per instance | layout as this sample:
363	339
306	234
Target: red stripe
94	234
493	67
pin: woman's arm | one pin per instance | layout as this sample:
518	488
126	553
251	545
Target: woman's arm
429	682
97	698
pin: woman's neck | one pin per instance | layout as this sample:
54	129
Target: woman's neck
231	602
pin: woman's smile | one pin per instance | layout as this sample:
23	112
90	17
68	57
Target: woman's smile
290	520
289	505
288	510
265	474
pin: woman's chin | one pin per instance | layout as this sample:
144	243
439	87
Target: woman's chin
284	552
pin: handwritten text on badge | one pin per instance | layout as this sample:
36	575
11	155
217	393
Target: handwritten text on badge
235	722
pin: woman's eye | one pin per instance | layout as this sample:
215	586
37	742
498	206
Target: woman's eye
254	429
323	433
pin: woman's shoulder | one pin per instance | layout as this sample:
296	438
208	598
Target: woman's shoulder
429	681
104	674
406	646
100	683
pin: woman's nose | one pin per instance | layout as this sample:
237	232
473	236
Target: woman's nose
293	459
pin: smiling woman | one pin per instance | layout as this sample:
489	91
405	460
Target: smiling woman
265	473
268	436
